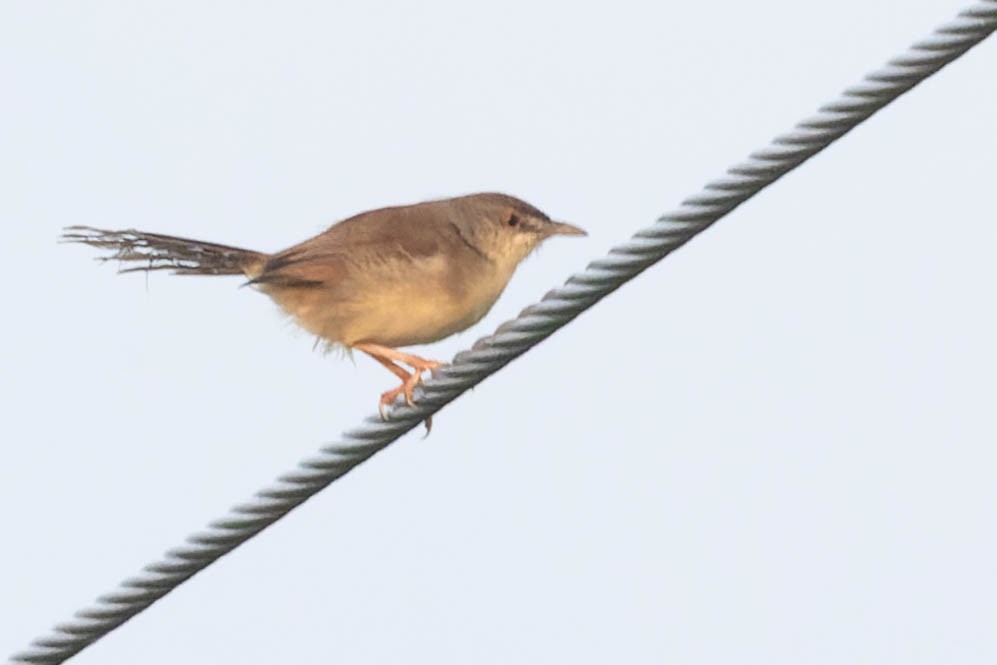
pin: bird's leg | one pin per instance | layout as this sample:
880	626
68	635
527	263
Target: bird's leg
389	396
389	357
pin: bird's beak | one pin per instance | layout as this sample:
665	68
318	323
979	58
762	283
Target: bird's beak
564	229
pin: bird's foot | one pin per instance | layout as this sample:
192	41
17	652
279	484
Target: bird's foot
389	358
390	396
407	388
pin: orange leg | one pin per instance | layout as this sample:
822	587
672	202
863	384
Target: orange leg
389	357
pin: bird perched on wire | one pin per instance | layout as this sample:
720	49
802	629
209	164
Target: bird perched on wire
377	281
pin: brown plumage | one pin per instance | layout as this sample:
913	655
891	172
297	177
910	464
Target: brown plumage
381	279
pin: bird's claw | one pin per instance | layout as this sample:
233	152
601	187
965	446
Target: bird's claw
407	389
389	398
409	381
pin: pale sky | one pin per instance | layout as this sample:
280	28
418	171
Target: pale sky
778	446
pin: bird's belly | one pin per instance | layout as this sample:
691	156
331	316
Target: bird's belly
425	304
408	316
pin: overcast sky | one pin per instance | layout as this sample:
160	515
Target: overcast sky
779	446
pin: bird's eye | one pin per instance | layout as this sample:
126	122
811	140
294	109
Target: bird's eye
513	220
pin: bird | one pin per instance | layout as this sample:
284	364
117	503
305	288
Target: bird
379	280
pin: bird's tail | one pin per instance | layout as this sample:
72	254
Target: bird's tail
141	251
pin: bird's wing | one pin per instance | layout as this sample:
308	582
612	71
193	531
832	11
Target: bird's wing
366	241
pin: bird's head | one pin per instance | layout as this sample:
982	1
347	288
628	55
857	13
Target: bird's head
506	229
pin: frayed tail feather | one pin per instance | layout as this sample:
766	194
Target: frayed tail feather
140	251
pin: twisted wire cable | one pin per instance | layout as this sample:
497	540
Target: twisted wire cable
515	337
